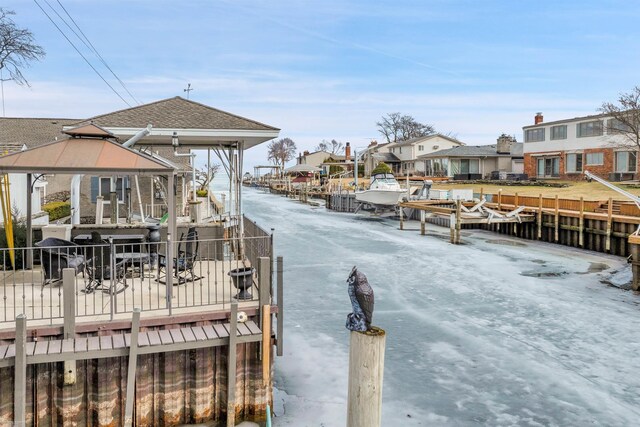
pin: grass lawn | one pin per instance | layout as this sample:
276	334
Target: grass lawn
589	190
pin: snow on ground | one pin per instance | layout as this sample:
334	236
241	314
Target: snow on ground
496	331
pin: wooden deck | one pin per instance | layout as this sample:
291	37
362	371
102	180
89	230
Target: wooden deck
23	292
156	341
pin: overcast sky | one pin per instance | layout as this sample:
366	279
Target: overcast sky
330	69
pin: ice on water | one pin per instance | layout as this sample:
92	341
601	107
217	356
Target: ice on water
497	331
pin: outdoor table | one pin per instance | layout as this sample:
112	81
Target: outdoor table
133	260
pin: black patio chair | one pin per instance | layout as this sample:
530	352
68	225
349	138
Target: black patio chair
57	254
99	267
183	264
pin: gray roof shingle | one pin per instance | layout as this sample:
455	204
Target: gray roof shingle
17	131
178	113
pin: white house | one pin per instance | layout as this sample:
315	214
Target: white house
408	151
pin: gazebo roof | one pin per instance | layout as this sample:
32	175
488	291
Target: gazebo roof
83	155
197	125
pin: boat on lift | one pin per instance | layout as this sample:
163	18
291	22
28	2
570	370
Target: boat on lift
383	191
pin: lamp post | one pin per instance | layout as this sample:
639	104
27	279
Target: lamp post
175	142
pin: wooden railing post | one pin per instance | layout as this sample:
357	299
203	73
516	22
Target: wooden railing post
69	297
20	372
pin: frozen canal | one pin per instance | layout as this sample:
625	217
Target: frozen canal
496	332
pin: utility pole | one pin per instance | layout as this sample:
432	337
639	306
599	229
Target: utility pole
188	89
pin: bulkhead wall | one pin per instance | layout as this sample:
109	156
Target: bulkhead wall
175	388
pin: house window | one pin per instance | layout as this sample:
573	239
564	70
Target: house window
593	128
574	163
465	166
101	186
399	150
420	147
595	159
616	126
548	167
559	132
626	161
534	135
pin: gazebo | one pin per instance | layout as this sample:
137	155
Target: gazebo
88	155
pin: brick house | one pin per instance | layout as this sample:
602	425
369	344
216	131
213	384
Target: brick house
564	149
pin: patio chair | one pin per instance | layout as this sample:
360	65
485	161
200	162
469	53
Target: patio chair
183	264
99	267
57	254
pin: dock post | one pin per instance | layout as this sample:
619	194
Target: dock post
500	199
366	371
423	226
458	220
264	279
131	370
231	366
581	224
634	244
20	373
69	300
280	291
557	221
452	228
401	218
540	217
607	242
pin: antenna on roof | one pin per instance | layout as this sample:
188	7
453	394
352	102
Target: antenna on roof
188	89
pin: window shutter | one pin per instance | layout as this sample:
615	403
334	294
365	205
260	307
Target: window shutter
94	188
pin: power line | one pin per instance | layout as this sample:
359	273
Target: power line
92	47
80	53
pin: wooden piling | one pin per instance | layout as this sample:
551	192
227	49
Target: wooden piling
634	244
581	224
423	219
607	242
366	372
458	220
401	218
540	218
556	221
499	199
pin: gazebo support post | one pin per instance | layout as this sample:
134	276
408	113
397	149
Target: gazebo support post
29	261
171	236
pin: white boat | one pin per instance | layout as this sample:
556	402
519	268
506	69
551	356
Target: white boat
383	190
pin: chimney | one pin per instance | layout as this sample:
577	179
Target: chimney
505	142
347	152
306	152
373	143
538	119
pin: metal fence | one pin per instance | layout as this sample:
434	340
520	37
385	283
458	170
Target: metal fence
111	279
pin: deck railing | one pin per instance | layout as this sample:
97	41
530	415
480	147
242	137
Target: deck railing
112	279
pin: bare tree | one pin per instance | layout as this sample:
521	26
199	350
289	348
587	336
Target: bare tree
624	118
17	48
397	127
206	175
333	147
281	151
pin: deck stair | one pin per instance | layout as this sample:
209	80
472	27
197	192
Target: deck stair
615	207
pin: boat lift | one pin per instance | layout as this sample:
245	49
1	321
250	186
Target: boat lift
635	199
